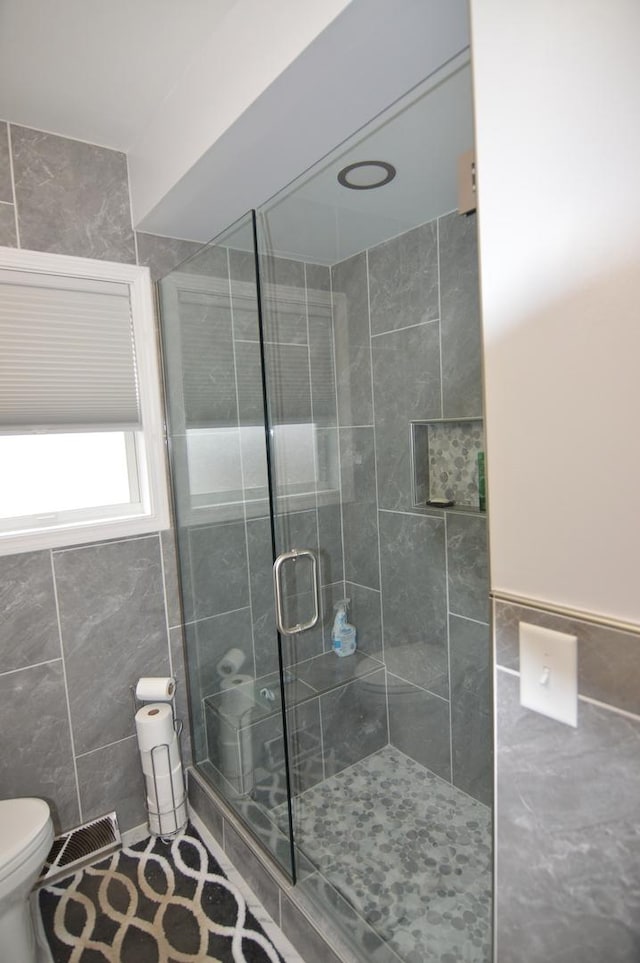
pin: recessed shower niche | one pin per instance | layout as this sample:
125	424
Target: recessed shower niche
448	464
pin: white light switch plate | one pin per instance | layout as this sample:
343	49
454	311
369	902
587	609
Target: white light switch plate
549	672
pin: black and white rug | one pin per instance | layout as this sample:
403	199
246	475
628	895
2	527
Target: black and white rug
155	902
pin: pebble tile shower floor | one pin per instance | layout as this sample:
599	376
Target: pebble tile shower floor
410	852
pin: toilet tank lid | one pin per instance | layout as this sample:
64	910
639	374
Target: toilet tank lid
21	822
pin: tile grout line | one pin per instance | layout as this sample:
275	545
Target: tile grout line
107	541
589	700
166	607
66	686
446	567
324	766
334	356
440	318
377	486
242	473
32	665
13	185
467	618
404	327
208	618
436	695
107	745
315	454
134	232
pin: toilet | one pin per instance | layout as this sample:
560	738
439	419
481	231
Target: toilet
26	835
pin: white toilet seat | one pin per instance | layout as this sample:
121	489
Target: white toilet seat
25	825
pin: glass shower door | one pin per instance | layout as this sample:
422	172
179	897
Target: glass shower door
220	459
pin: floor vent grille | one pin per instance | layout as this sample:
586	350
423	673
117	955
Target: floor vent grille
81	846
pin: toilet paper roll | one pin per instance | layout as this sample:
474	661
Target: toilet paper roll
168	823
154	725
237	697
160	789
231	662
157	756
155	689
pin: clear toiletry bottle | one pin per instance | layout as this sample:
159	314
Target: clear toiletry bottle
343	634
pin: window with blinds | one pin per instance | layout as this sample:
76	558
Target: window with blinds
80	418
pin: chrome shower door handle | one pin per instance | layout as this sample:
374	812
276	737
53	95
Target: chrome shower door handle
293	555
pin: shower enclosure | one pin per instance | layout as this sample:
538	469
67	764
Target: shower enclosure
323	375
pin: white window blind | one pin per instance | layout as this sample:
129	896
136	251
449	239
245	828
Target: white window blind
67	356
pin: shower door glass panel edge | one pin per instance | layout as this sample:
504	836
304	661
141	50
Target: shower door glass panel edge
301	394
218	442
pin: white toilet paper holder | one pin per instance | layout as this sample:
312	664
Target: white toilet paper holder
169	821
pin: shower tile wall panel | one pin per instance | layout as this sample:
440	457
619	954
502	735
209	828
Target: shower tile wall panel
468	557
471	701
414	600
403	280
112	612
8	237
37	753
461	333
366	613
419	725
568	832
6	187
114	773
406	386
29	625
163	254
117	600
359	506
407	347
72	198
352	341
354	721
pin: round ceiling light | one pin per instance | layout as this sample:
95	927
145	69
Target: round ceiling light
365	175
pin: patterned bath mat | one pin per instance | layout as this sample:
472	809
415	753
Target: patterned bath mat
155	902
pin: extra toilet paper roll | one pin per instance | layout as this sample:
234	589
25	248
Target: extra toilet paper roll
167	823
154	725
237	696
158	757
155	689
160	789
231	662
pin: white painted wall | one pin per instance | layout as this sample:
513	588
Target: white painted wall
254	43
558	146
240	126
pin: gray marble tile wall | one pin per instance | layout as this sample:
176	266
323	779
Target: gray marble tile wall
80	625
568	818
407	335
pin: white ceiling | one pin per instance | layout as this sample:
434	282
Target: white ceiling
97	70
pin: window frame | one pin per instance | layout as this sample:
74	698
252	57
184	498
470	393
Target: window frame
150	443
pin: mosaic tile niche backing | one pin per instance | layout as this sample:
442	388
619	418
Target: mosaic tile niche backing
453	461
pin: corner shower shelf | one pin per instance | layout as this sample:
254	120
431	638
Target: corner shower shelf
303	681
240	721
445	464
